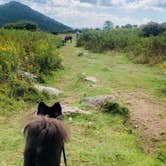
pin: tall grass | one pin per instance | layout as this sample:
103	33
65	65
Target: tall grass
35	52
24	51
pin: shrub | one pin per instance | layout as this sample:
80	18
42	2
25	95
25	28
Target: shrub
114	108
20	89
161	151
26	51
22	25
152	28
143	49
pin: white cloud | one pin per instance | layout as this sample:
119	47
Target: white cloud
83	14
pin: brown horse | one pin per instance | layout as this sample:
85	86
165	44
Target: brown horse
45	139
68	38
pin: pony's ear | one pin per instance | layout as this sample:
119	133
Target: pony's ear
42	108
57	107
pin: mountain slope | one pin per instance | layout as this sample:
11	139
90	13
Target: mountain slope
15	11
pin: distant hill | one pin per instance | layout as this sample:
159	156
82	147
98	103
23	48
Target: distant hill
15	11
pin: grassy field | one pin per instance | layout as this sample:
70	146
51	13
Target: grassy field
98	139
114	71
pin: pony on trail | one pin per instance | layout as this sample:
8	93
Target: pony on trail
68	38
45	137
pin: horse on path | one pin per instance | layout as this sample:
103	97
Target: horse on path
68	38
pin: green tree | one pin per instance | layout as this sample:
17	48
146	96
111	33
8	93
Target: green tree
28	25
151	29
108	25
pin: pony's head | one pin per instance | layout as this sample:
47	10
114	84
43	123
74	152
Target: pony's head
52	112
44	141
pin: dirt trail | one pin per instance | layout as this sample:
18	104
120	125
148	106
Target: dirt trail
148	116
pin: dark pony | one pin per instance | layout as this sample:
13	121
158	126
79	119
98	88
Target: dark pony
68	38
45	137
52	112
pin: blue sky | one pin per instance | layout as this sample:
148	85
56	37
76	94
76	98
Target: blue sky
93	13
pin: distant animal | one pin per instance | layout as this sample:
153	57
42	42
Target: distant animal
68	38
45	137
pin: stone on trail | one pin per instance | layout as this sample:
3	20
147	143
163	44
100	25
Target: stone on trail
96	101
164	72
91	79
50	90
68	109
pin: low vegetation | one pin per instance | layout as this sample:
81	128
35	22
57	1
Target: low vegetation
142	45
25	51
96	139
114	108
22	25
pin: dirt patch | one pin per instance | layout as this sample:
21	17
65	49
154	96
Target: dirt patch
146	115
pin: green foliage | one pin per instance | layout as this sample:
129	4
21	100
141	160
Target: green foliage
27	51
162	149
24	51
152	29
24	25
108	25
114	108
16	95
141	50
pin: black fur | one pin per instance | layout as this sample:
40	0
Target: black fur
45	138
52	112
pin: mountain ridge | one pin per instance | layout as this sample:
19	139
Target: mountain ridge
15	11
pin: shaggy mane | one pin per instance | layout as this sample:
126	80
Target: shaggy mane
46	130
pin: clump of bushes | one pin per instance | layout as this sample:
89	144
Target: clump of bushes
152	29
27	51
24	51
114	108
22	25
144	45
162	149
22	90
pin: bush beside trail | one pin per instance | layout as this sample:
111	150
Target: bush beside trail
114	108
141	49
25	51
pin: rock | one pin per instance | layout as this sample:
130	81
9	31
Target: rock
28	75
68	109
96	101
91	79
50	90
136	126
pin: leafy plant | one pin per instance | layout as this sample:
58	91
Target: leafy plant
143	49
114	108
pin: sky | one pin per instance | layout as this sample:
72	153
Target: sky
93	13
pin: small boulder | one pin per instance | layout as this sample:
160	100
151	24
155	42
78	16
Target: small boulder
96	101
50	90
68	109
91	79
28	76
164	72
